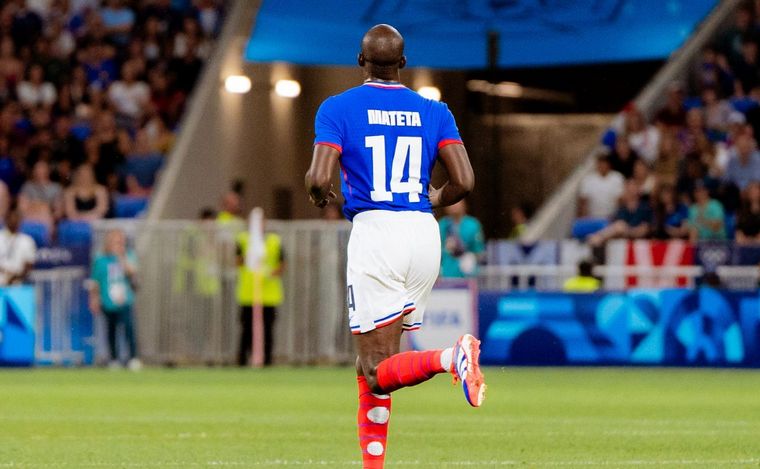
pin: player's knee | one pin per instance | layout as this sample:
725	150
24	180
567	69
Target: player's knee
373	384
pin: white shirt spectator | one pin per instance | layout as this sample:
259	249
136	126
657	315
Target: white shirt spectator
31	95
16	251
646	143
41	7
602	193
129	99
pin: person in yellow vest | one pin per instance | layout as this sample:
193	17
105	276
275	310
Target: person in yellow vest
273	265
584	282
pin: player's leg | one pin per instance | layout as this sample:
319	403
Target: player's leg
374	412
462	360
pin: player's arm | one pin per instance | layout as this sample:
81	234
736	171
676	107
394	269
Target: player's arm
461	178
319	176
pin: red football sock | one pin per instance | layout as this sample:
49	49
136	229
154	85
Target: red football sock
408	368
374	414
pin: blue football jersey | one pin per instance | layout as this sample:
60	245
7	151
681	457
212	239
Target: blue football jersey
388	137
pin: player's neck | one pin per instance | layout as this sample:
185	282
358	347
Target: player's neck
385	78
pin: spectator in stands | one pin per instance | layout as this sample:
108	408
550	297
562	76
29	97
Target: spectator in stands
643	178
717	111
129	96
752	115
40	198
187	68
65	145
35	91
5	201
600	191
693	136
673	114
584	281
209	16
118	20
706	216
231	207
744	162
113	143
746	72
713	71
11	68
668	159
623	158
643	139
520	215
632	220
85	199
160	137
732	40
692	170
748	220
191	34
670	215
462	240
98	60
17	252
112	293
26	26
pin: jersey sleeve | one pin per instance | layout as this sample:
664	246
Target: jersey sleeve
449	133
327	126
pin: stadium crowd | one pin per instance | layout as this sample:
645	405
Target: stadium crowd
91	93
693	172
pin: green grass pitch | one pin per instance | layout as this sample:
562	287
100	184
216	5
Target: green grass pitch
533	417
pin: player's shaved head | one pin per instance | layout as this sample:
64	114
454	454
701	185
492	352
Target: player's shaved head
382	53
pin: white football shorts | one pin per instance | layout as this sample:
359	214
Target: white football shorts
393	262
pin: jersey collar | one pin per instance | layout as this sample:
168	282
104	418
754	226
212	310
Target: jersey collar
384	85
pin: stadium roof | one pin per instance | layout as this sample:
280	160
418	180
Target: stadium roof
452	34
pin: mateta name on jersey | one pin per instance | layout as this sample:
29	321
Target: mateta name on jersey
395	118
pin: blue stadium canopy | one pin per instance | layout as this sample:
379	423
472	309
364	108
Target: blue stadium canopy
452	34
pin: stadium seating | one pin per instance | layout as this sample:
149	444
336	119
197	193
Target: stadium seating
129	207
38	231
74	233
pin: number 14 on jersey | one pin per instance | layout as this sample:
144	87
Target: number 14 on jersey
406	148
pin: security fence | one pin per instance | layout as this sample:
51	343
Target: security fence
186	309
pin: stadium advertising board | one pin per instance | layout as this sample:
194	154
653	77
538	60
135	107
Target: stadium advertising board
17	317
677	327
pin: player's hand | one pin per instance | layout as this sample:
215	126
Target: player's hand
434	195
324	201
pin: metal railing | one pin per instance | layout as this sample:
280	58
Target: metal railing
63	325
551	277
186	309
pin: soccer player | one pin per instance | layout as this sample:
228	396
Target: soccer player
387	138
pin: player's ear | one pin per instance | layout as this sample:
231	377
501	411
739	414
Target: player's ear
402	62
361	60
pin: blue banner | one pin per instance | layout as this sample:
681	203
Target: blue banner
453	34
684	327
17	317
